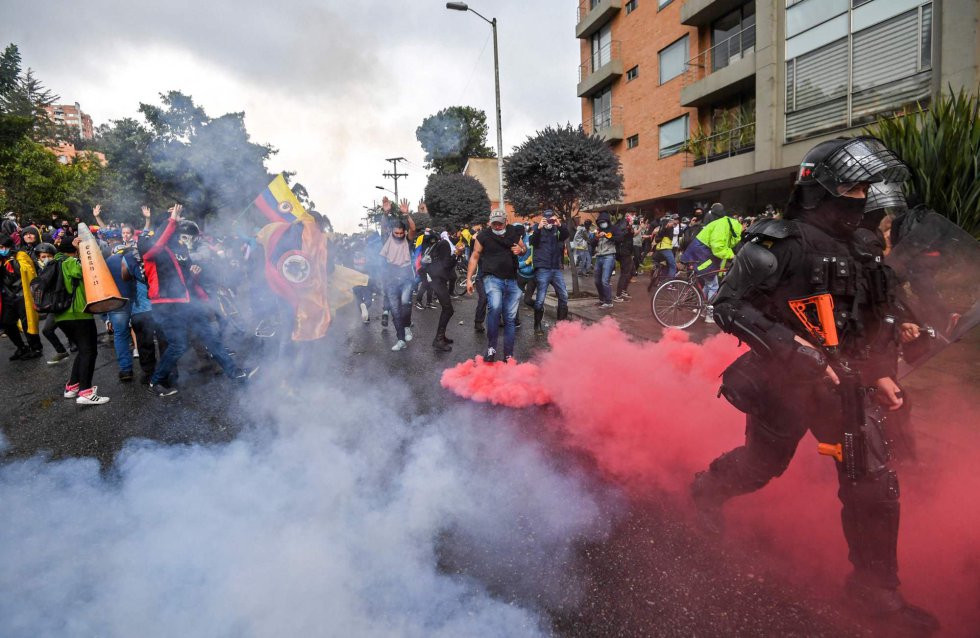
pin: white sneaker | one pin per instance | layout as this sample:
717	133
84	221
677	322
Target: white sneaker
365	317
90	397
401	345
136	353
71	390
408	334
709	314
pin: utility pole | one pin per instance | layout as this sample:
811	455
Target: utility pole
394	174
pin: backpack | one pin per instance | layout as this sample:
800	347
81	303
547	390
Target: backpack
689	234
48	289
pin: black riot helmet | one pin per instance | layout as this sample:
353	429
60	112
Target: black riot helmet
835	167
882	197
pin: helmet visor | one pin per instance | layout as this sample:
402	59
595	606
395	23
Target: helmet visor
882	195
862	160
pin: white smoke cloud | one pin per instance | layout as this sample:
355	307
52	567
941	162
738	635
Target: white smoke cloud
334	516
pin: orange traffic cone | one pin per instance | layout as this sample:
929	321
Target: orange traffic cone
101	291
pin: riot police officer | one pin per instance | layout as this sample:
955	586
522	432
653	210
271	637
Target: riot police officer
817	311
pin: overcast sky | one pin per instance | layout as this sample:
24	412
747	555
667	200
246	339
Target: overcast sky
336	86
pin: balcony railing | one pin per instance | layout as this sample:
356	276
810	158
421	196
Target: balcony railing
703	149
604	121
719	56
593	14
598	59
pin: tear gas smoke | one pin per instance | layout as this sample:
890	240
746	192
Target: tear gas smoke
649	415
331	518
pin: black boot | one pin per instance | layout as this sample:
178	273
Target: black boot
887	605
478	327
22	352
708	499
562	312
538	316
440	343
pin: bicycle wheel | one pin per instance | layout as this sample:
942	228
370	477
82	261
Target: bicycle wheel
230	311
656	272
677	304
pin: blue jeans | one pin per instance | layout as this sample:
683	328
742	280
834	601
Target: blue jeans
175	319
604	265
122	339
398	294
503	295
582	260
545	276
667	254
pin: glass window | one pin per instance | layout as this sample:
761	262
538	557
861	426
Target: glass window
630	7
663	3
632	73
673	134
602	110
809	13
817	37
732	35
601	47
673	59
632	141
877	11
886	52
925	42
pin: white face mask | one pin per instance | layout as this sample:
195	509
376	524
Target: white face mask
603	225
498	232
43	262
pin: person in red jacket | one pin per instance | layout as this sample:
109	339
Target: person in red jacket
172	280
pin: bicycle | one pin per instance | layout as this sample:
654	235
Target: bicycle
460	278
680	302
229	309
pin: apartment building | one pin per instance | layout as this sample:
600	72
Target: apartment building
71	115
764	81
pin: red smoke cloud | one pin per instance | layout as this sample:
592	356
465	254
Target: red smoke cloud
648	413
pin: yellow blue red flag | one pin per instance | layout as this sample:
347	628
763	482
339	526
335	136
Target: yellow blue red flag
278	203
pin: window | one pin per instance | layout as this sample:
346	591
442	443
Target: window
632	73
673	134
632	141
732	35
853	78
663	3
602	110
630	7
673	60
601	47
810	13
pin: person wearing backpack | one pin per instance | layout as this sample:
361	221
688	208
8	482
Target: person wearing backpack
79	326
43	255
16	272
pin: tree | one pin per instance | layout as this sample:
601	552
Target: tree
456	200
941	145
23	95
565	170
35	184
453	135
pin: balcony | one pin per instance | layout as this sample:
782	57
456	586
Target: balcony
601	69
725	69
607	124
723	155
699	13
592	14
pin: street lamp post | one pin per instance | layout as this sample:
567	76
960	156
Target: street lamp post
462	6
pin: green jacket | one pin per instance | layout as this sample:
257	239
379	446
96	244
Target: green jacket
721	236
71	270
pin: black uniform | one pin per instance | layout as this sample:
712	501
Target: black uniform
779	384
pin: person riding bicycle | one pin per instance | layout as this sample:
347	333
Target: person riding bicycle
664	244
712	250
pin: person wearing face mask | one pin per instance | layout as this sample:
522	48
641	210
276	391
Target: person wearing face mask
604	244
820	319
16	273
399	278
44	254
495	252
549	244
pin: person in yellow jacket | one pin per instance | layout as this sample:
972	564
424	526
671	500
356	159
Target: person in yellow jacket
17	271
713	249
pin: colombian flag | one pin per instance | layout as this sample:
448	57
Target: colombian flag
277	203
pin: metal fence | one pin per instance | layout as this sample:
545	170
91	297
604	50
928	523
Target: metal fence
600	58
717	146
605	119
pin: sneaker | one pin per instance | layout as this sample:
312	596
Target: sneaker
384	319
418	304
162	390
625	295
20	353
508	358
709	314
606	305
58	358
34	354
490	356
244	374
136	353
71	390
126	376
430	306
90	397
408	334
619	298
365	316
401	345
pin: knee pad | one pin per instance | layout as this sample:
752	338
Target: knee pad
741	385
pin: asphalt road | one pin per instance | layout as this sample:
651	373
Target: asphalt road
655	576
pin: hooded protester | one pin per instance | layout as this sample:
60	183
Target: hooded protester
442	264
44	254
17	270
30	237
399	278
604	244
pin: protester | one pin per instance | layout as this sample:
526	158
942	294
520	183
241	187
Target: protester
495	252
399	280
604	247
664	244
580	245
80	328
548	243
442	264
44	254
712	250
16	273
134	316
624	257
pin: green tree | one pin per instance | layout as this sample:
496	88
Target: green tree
563	169
453	135
22	94
456	200
941	145
36	185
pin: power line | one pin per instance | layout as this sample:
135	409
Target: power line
394	174
473	71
